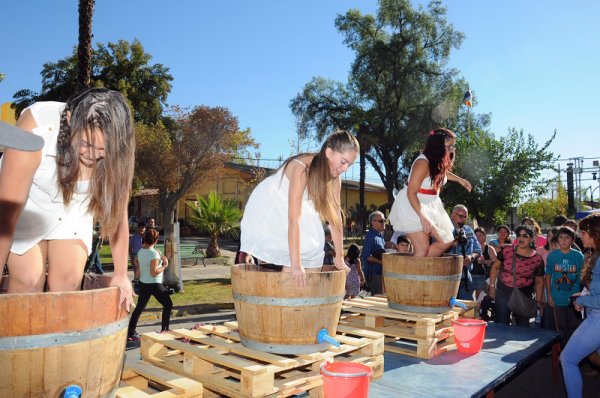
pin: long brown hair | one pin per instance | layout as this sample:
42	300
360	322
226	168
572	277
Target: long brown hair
110	185
320	183
440	160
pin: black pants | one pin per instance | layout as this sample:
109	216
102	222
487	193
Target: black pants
160	293
567	320
503	313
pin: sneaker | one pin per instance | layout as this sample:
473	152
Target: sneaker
133	337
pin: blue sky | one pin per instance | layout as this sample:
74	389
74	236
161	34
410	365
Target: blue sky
533	65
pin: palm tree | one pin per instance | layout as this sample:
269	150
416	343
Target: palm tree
84	49
216	216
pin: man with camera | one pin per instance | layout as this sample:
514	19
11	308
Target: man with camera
466	246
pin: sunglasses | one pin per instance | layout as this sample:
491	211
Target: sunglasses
379	221
523	236
450	147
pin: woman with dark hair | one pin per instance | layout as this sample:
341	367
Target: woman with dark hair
355	278
502	240
83	172
529	268
586	339
283	219
152	265
418	210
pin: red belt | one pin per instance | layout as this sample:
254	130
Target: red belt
428	191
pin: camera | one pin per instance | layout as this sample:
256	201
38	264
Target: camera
461	237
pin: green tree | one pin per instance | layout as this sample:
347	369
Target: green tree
121	66
216	216
175	161
398	77
544	209
504	172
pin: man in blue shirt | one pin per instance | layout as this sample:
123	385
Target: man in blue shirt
373	248
467	246
563	276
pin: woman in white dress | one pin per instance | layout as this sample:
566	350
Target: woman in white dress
418	210
283	219
51	197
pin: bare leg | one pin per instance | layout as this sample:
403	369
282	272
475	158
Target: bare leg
420	243
438	248
66	260
28	271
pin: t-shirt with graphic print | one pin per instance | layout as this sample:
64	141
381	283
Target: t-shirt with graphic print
564	271
527	268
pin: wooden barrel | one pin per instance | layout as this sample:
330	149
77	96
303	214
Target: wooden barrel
421	284
275	316
49	341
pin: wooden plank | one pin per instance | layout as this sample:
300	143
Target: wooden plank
197	336
136	378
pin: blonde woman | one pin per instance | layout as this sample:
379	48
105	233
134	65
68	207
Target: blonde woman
83	172
283	219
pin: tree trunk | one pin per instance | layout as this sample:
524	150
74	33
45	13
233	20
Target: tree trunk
84	48
213	247
167	209
361	185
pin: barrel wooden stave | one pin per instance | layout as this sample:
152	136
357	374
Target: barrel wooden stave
421	284
36	363
265	323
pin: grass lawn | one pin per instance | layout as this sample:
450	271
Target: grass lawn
206	291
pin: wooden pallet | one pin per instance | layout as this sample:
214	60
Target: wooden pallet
407	333
214	356
143	380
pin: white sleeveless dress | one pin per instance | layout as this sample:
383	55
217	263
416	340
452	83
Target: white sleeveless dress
45	216
264	227
404	218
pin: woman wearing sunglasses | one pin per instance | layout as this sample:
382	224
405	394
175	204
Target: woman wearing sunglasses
529	267
418	210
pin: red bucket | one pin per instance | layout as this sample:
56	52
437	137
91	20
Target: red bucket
469	335
346	379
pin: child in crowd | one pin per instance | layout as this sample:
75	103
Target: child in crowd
563	271
355	278
403	244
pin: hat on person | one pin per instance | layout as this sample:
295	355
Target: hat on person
16	138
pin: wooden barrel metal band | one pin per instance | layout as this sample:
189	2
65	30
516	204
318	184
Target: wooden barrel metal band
429	278
284	348
61	339
287	302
